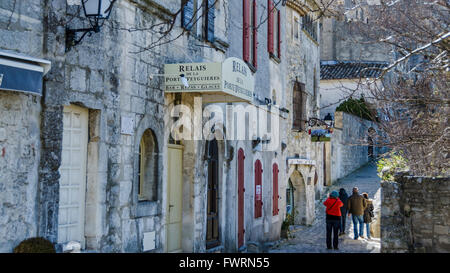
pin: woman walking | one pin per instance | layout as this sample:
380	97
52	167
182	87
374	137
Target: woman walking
343	196
333	218
368	214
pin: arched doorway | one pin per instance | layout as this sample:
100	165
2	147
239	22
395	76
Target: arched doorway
212	211
299	198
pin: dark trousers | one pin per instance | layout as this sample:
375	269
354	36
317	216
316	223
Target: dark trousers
333	226
343	218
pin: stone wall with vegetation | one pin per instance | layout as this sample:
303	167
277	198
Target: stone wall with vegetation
415	215
349	144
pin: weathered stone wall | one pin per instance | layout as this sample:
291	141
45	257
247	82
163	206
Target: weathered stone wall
20	26
19	157
349	144
415	215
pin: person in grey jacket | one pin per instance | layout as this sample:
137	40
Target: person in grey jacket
356	204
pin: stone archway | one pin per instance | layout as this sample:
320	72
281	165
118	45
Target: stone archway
300	206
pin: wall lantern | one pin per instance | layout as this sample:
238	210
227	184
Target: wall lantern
328	120
97	11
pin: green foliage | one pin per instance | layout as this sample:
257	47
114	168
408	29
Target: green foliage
286	223
356	107
388	166
35	245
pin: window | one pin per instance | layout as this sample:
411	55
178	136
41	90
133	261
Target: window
250	33
148	168
192	13
274	97
274	30
299	106
310	26
258	189
296	27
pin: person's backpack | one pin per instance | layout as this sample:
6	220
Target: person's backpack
371	212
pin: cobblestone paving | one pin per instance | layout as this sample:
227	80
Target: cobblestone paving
311	239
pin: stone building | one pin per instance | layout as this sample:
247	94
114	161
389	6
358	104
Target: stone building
305	177
105	156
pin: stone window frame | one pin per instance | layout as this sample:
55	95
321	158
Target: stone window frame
148	144
149	207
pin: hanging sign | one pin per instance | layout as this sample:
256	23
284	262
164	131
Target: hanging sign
202	77
238	80
231	80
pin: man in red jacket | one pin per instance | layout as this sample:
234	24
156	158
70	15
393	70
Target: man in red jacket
333	219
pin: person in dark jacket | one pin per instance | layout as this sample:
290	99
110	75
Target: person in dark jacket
333	218
368	213
356	205
343	196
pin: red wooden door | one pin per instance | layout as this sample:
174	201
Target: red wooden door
258	189
275	172
241	191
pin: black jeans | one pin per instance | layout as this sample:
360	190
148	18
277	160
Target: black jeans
333	226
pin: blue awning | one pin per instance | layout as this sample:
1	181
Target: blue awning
22	73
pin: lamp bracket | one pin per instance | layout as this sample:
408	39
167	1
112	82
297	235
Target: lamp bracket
71	39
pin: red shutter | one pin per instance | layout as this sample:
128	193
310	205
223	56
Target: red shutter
270	22
241	191
246	32
279	35
258	189
255	35
275	189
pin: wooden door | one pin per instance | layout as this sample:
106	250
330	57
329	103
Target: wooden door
212	213
241	191
175	197
73	175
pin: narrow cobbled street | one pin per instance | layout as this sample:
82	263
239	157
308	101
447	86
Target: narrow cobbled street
311	239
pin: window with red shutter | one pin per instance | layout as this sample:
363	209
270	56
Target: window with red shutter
246	30
279	34
275	172
258	189
255	35
270	23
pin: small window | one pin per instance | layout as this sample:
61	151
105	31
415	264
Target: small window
274	97
299	106
296	27
148	168
277	33
198	17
